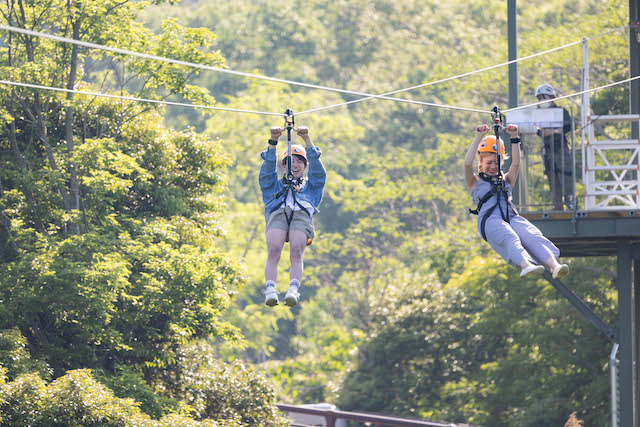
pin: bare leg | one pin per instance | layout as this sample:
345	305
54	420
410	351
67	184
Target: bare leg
558	270
275	243
297	243
551	263
525	264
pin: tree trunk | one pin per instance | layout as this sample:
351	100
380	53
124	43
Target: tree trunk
44	138
74	187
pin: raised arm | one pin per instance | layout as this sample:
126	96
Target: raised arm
469	175
317	175
268	170
512	174
303	132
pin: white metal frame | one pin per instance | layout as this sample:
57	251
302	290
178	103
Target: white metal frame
620	190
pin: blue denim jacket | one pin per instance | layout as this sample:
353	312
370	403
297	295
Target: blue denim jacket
270	185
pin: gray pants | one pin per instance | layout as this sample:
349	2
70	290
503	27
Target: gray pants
518	240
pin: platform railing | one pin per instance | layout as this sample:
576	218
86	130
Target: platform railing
612	168
605	161
332	415
605	174
534	185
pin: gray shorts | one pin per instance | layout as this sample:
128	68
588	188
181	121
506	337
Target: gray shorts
301	221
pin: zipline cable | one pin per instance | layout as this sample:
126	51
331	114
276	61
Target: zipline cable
180	104
607	32
384	95
235	110
404	100
575	94
290	82
188	64
131	98
164	59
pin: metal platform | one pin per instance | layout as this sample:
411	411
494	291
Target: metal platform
606	233
585	234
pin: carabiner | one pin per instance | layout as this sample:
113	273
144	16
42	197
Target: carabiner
496	116
289	119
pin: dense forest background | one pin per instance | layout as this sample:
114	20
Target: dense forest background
132	235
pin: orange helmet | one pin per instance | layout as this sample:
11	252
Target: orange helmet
488	145
298	150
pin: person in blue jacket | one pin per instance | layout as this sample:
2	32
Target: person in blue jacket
289	208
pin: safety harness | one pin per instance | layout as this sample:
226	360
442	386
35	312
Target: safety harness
294	186
288	181
499	189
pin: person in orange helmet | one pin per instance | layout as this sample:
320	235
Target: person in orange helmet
518	241
289	208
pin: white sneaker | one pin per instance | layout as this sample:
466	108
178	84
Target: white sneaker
560	271
291	298
531	271
271	296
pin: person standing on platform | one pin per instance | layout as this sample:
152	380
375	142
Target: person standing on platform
556	152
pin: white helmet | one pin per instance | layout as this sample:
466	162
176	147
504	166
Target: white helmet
545	89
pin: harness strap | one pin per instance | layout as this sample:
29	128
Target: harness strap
484	221
482	201
289	185
497	188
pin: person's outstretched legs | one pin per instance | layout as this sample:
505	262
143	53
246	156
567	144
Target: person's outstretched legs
533	240
297	243
539	246
275	243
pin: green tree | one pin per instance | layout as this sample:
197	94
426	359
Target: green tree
109	218
488	349
76	399
393	220
110	226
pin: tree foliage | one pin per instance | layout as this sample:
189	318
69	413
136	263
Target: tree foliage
76	399
488	349
109	253
393	220
117	253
